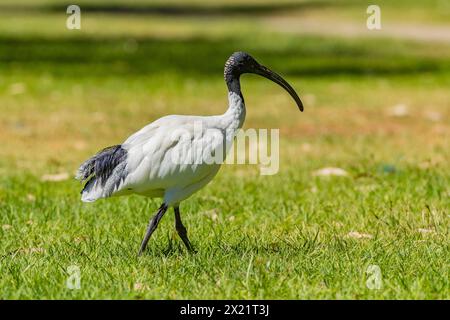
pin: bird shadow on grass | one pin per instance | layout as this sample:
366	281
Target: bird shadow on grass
246	245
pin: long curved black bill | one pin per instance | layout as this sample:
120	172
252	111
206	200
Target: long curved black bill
269	74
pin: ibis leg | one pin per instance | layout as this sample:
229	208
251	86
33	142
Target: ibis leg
152	225
181	229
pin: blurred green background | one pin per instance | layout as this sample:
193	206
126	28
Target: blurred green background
377	104
133	61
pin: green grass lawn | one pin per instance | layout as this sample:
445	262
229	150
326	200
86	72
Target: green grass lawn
377	108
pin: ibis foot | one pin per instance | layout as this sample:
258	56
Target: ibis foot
181	229
152	225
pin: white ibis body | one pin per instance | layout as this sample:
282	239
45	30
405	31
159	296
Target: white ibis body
144	163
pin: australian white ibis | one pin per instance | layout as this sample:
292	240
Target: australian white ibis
145	163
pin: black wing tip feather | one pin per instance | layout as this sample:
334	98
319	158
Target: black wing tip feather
87	184
101	166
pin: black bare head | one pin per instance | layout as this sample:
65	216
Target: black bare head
241	62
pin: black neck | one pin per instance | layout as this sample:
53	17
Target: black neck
232	79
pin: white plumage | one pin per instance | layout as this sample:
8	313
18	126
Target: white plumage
150	151
172	156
